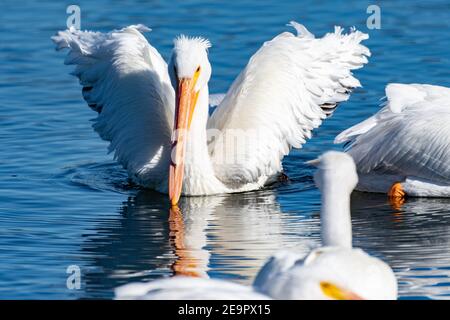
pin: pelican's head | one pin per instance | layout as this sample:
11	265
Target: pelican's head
335	168
190	62
189	71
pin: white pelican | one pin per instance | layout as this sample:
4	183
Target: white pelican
288	87
187	288
334	271
404	149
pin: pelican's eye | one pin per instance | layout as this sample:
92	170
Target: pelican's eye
197	74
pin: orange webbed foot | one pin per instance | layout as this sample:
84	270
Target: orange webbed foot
396	195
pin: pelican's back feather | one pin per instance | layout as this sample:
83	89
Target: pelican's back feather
410	136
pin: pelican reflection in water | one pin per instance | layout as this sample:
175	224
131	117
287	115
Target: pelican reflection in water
217	236
231	236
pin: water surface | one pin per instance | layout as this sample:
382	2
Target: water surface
64	201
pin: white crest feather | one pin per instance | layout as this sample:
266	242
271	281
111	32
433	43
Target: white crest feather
184	42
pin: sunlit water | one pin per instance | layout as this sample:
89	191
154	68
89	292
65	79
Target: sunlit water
64	201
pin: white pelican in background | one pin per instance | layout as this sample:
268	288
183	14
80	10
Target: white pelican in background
404	149
334	271
287	88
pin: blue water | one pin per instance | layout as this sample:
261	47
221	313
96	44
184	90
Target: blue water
64	201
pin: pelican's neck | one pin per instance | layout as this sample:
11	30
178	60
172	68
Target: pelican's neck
199	176
336	225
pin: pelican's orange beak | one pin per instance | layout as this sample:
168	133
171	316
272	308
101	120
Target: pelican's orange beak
186	99
336	293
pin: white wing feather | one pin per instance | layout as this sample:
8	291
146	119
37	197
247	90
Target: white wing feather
288	87
126	81
410	136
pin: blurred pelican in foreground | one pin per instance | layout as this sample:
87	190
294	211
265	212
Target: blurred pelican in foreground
335	271
156	115
404	149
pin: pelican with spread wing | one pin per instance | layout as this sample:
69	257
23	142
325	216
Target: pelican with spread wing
156	115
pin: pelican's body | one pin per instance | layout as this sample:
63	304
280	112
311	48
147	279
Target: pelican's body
361	277
156	116
187	288
405	147
334	271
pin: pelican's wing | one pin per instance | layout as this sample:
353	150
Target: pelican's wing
187	288
126	81
278	264
289	86
410	136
